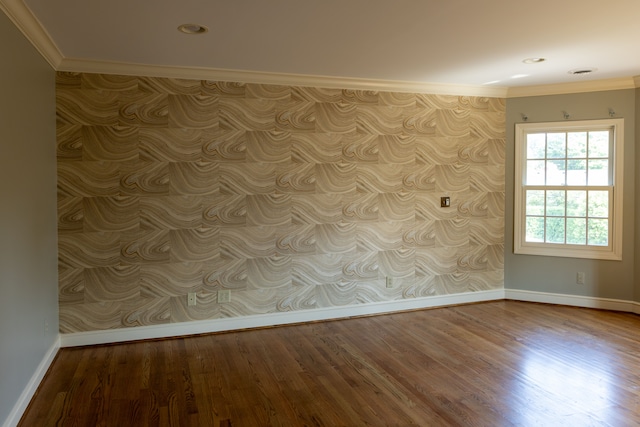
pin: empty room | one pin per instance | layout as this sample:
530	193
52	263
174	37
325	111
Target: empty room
337	213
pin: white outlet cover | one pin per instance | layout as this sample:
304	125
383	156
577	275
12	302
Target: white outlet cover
192	299
224	296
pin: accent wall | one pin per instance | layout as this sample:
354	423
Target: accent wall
291	198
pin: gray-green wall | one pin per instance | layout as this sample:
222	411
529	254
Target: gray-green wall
637	217
28	240
604	279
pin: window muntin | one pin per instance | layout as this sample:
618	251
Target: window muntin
568	182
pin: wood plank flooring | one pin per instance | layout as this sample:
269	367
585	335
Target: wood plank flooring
501	363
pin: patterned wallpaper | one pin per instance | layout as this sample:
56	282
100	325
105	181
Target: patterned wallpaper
292	198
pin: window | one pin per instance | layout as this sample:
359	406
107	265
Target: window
568	189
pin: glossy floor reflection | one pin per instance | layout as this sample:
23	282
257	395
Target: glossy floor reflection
575	379
502	363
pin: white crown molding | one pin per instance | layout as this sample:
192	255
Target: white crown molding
272	319
197	73
32	386
33	30
574	87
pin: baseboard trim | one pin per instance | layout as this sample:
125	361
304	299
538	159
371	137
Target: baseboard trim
573	300
272	319
32	386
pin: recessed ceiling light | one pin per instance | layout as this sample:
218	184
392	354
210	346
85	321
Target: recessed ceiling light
582	71
534	60
492	82
192	29
519	76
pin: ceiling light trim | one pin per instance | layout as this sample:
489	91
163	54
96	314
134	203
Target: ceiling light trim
193	29
33	30
197	73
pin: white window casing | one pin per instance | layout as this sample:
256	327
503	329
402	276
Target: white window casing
612	248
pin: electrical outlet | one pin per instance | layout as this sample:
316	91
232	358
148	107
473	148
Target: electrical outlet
192	298
389	282
580	278
445	202
224	296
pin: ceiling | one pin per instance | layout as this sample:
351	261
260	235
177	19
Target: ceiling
473	43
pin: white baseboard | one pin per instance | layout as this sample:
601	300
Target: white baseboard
271	319
32	386
573	300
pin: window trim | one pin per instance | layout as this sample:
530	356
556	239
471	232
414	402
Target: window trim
611	252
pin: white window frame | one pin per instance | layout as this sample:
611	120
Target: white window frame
611	252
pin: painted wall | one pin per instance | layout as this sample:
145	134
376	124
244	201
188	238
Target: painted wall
28	270
605	279
293	198
637	211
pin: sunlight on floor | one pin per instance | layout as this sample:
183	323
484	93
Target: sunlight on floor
577	393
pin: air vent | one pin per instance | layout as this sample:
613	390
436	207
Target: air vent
582	71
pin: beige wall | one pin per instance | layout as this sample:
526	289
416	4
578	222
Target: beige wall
293	198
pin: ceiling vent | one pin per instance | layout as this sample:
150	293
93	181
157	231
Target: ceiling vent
582	71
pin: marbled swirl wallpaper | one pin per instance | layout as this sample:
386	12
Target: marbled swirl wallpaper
293	198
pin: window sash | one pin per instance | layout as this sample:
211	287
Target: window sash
566	215
613	250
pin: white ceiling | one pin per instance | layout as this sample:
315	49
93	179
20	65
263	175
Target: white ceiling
462	42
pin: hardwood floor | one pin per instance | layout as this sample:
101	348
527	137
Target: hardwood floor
490	364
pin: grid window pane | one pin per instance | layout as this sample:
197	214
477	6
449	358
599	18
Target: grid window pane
556	172
535	172
577	172
534	229
535	202
577	145
555	203
556	145
598	232
577	203
599	144
598	172
536	146
598	204
577	231
554	230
